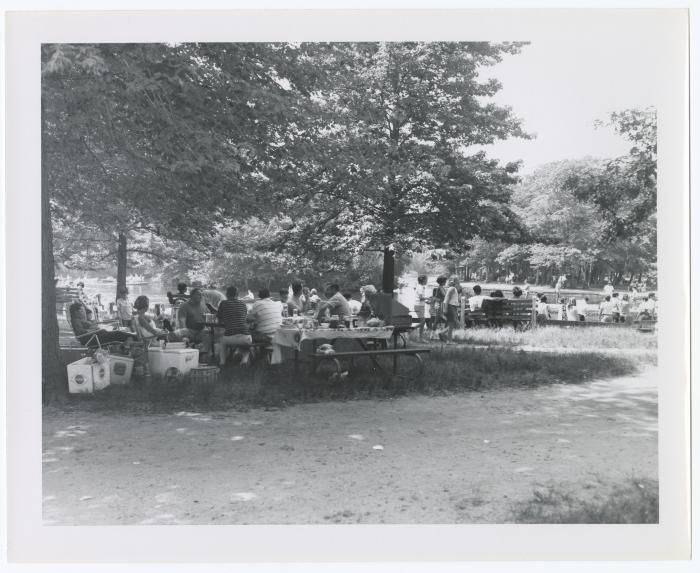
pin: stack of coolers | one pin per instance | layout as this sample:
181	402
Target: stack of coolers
90	374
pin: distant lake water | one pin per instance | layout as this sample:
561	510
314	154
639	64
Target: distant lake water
154	290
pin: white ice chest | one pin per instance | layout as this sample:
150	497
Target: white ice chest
160	359
86	375
120	369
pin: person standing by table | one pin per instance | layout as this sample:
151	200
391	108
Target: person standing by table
438	299
232	314
451	310
190	318
125	310
265	317
422	305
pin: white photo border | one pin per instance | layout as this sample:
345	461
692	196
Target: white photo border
29	541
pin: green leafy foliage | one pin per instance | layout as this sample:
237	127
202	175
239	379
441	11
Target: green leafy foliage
624	192
389	166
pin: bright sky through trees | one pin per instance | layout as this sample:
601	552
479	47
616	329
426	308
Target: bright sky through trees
559	89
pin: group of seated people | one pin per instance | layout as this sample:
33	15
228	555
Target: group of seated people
244	321
244	327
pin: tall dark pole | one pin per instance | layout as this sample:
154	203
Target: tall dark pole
388	271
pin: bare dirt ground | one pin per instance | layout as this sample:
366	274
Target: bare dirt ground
466	458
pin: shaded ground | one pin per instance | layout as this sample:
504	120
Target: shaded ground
466	458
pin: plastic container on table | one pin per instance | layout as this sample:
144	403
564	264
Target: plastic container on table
86	375
160	359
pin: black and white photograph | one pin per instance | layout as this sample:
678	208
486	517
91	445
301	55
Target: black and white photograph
355	282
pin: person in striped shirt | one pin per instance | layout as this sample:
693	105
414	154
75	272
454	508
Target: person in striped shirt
265	317
232	313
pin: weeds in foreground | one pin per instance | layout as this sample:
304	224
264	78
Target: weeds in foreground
633	501
447	370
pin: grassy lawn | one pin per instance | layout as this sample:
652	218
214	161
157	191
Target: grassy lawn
559	337
448	369
632	501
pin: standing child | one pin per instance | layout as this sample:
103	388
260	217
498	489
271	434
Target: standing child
125	310
422	305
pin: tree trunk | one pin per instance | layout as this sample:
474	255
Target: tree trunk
54	378
388	271
121	263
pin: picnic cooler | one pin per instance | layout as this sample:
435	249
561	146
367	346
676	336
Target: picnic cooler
203	374
184	359
86	375
120	369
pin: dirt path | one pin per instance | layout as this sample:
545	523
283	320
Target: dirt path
466	458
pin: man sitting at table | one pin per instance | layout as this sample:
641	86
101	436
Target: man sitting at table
232	314
89	333
190	320
336	303
265	317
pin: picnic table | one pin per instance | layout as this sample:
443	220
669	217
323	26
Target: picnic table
292	337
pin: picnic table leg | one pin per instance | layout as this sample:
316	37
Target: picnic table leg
212	356
296	361
372	358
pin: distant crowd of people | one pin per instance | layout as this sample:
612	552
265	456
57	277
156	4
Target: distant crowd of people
438	308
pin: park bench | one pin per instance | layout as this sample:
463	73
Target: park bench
515	311
395	353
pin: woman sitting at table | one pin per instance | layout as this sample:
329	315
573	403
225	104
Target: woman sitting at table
365	311
146	327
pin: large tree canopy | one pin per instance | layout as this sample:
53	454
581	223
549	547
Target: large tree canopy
389	166
168	140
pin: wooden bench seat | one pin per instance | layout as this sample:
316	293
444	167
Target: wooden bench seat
499	313
394	352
